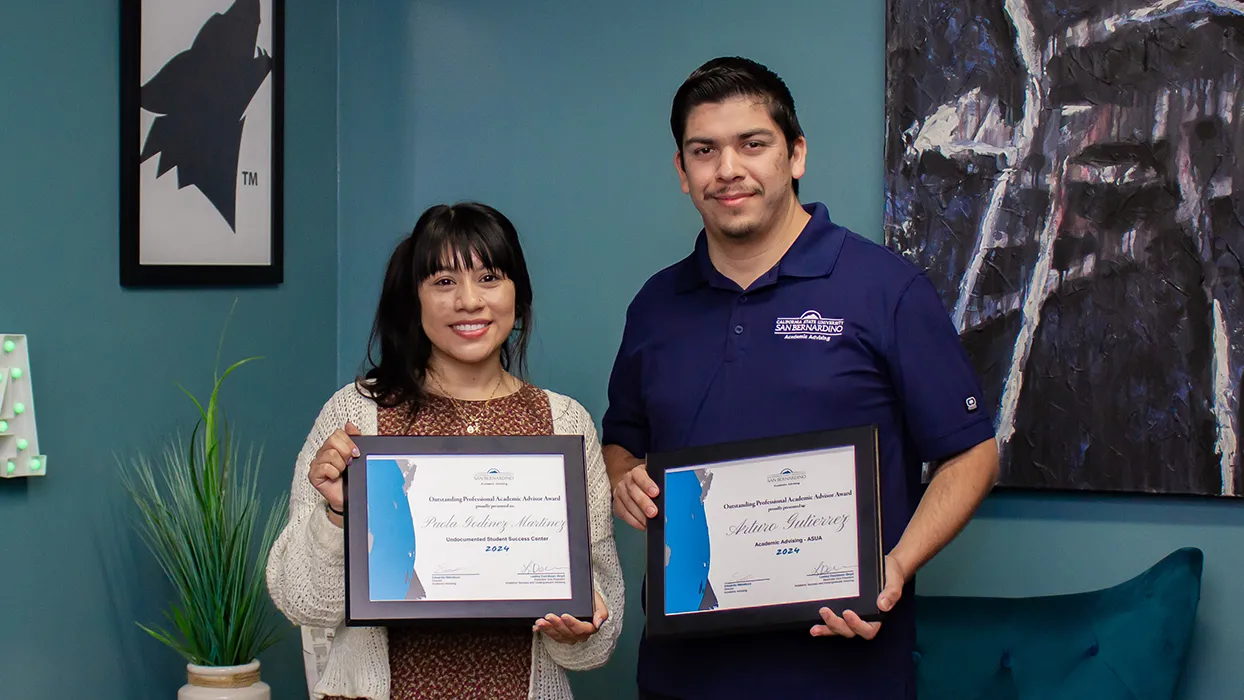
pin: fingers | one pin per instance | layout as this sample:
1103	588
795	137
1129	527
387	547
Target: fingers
632	498
867	630
543	625
643	490
325	475
849	625
342	443
579	629
324	471
895	577
834	625
628	510
888	597
641	500
600	611
564	629
334	456
330	462
639	475
326	468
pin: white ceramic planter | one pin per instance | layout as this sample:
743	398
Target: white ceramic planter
224	683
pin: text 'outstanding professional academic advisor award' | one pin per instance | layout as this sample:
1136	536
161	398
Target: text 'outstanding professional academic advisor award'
761	534
457	529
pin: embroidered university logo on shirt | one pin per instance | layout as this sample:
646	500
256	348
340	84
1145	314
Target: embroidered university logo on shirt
810	326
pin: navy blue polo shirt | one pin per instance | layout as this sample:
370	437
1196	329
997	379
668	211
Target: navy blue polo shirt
703	361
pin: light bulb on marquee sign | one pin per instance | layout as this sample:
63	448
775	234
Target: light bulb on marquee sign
19	440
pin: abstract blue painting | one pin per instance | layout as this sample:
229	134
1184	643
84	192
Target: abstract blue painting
1071	175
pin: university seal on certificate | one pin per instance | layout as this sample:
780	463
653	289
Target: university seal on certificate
458	529
761	534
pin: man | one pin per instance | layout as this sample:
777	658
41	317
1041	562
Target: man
704	359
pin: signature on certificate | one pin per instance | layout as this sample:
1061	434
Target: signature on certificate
444	568
823	568
532	567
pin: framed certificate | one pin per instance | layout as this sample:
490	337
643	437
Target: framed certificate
462	529
761	534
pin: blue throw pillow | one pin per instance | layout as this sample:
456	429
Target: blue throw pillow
1126	642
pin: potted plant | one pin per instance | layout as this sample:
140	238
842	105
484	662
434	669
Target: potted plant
198	509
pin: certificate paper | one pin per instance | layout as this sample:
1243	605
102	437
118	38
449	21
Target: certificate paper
776	530
453	527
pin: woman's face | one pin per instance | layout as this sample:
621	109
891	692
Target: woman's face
468	314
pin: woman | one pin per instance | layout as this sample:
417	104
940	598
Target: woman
452	325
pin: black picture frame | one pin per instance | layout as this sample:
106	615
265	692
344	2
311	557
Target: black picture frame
189	215
788	616
360	610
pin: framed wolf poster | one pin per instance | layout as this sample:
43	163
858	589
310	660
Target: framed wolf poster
201	142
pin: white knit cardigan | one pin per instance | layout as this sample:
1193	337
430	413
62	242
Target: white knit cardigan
306	574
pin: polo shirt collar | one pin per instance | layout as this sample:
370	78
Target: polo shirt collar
813	254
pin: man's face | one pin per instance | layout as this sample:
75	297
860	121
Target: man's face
737	168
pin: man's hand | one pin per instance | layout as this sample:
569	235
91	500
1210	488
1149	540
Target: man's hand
632	497
850	624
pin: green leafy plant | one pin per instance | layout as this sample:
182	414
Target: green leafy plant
198	510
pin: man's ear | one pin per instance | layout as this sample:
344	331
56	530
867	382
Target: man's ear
799	158
682	174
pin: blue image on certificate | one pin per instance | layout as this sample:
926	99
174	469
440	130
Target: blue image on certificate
391	532
687	550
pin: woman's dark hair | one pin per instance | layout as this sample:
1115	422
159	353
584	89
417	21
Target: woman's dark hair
445	237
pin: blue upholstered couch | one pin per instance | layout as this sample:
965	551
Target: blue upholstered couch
1126	642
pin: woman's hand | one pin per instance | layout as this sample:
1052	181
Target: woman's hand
330	462
569	630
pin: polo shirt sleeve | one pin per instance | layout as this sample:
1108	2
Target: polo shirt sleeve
939	390
625	423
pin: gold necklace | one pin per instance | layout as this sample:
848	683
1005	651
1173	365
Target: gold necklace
471	427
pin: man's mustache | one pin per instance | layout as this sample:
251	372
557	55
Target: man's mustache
721	194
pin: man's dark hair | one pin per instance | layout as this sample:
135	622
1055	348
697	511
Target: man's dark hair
731	76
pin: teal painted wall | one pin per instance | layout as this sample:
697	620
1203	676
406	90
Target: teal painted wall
377	166
105	360
557	113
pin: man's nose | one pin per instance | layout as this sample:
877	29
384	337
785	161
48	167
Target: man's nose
728	165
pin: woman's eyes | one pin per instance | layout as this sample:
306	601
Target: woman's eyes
486	278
